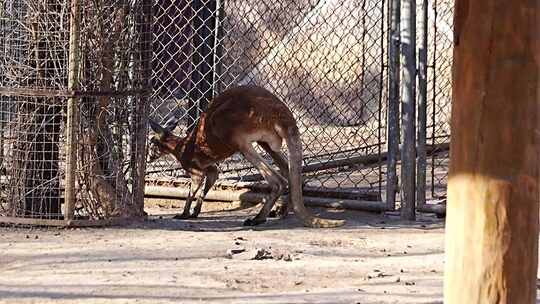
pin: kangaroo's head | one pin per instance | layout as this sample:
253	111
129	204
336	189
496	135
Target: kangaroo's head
161	142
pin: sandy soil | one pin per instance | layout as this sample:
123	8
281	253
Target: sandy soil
373	259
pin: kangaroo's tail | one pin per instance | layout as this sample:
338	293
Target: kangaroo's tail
294	144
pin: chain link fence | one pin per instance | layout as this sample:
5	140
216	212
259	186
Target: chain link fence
325	59
439	94
73	75
74	78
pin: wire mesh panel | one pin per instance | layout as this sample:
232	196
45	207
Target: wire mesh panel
73	76
439	95
324	59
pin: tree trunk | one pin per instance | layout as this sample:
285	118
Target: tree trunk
493	193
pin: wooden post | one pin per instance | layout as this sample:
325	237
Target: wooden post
493	193
72	112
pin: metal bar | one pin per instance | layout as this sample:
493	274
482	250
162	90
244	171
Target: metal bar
393	103
29	92
140	133
433	99
63	223
72	112
380	140
408	101
218	47
366	160
202	58
422	108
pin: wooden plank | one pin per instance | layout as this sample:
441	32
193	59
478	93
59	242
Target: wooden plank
493	191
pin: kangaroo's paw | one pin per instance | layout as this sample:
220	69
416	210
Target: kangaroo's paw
182	216
253	221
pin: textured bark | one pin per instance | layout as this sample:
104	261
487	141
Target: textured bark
493	193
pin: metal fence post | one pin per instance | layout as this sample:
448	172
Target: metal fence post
422	108
141	105
202	78
393	103
408	101
72	112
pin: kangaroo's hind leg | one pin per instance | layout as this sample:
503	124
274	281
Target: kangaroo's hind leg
281	162
212	174
274	179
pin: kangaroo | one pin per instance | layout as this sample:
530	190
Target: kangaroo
235	120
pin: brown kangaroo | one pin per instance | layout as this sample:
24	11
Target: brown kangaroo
235	120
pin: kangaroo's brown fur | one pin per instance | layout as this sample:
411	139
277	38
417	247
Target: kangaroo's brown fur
235	120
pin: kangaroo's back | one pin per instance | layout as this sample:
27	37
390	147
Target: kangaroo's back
249	107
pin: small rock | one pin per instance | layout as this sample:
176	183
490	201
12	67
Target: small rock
234	251
375	274
287	258
410	283
398	279
27	236
298	283
255	254
36	237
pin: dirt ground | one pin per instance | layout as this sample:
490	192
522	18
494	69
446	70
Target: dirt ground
373	259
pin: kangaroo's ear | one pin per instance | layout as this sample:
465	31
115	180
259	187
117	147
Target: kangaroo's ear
159	130
171	123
